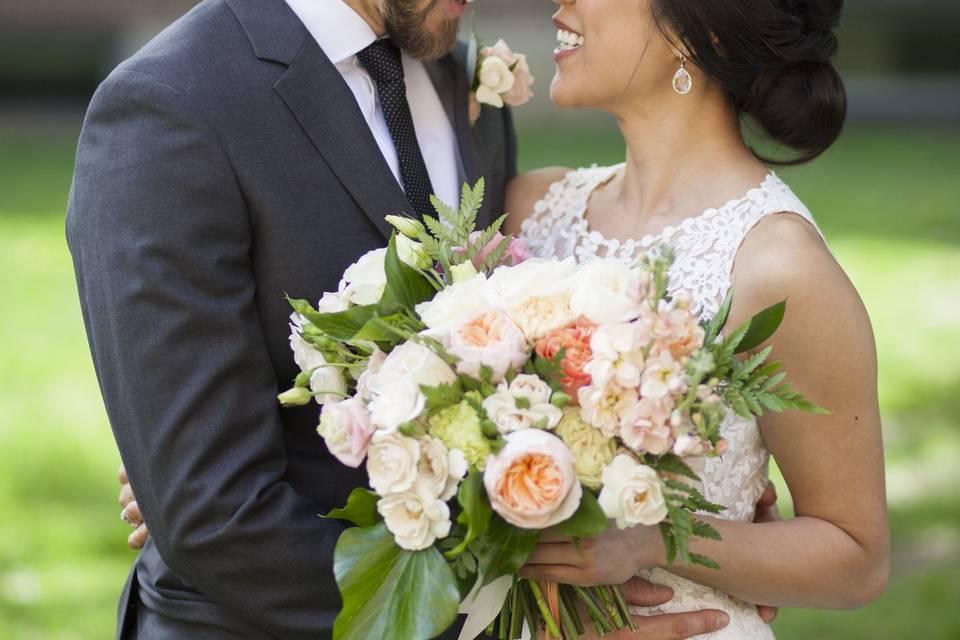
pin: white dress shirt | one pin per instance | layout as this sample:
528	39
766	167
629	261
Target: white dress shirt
342	33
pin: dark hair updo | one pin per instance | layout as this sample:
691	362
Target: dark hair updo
773	59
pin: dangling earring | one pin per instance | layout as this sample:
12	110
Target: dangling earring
682	80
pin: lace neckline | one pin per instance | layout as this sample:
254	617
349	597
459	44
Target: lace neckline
597	238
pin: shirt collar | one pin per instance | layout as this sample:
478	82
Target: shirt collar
338	29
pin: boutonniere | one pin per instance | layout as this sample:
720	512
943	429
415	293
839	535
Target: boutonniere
500	77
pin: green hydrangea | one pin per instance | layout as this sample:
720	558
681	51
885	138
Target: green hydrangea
591	449
458	427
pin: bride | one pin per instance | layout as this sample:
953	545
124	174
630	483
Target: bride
679	76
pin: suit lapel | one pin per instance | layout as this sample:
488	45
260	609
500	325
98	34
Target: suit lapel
315	92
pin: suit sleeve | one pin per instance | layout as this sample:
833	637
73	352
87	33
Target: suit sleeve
161	240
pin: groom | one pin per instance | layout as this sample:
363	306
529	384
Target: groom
253	149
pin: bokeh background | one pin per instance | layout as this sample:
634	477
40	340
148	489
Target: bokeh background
887	196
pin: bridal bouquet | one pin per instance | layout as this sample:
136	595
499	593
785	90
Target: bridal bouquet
491	397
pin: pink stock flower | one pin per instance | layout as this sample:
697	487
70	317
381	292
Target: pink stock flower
676	329
645	426
662	377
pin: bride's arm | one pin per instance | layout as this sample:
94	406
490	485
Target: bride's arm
835	553
524	191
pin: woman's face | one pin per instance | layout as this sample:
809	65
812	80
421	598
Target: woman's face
609	53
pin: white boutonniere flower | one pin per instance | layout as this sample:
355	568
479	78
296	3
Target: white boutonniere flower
500	77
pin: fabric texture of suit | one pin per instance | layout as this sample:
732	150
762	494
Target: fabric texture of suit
222	166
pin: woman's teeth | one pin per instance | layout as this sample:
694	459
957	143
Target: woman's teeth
569	40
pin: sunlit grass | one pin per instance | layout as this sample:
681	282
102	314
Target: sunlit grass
888	201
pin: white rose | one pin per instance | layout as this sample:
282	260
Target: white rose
415	518
304	354
333	303
366	278
392	463
441	469
606	291
374	364
330	383
413	361
495	80
396	404
458	304
632	493
523	404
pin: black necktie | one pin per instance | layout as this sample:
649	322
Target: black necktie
382	60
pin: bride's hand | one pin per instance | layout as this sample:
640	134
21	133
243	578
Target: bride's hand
130	512
613	557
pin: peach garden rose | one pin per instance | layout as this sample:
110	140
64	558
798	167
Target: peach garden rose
489	340
532	482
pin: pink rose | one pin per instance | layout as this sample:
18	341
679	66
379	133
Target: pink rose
491	340
574	341
346	429
532	482
520	93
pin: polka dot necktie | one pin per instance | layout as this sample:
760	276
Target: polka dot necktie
382	60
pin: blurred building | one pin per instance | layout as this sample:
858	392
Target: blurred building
900	57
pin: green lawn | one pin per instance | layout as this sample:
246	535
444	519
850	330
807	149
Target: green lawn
888	200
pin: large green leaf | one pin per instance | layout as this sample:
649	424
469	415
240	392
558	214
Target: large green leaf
389	593
589	520
762	326
405	285
339	326
504	549
361	509
476	512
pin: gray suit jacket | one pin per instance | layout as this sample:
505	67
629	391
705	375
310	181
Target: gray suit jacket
224	165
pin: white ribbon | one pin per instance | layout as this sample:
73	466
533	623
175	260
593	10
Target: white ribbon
483	605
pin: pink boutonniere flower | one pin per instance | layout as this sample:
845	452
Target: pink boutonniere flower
501	77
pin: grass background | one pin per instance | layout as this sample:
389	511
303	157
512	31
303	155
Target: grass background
886	198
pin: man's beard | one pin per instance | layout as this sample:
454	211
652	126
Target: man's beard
407	27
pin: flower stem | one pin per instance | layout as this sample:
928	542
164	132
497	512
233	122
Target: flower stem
622	603
603	623
552	627
516	613
611	607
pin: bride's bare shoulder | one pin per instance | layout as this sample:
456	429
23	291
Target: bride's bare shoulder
525	190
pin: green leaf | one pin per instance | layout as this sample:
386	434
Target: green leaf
444	395
589	520
389	593
706	561
361	509
762	326
719	320
703	530
340	326
671	463
504	549
405	285
476	512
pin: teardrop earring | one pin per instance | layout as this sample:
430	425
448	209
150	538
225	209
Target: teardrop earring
682	80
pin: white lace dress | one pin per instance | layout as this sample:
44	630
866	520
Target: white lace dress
705	247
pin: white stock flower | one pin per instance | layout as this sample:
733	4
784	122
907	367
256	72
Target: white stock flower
416	518
617	355
632	493
392	463
606	291
440	469
603	407
366	278
523	404
495	80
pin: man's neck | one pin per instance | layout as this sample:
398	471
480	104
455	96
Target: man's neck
372	13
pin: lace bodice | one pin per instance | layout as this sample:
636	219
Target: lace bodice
705	247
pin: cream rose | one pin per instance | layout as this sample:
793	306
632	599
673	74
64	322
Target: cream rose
395	388
591	449
495	80
606	291
536	294
329	384
532	482
632	493
440	470
458	304
346	429
523	404
490	340
416	518
520	93
392	463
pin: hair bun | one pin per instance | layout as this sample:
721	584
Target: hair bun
802	106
